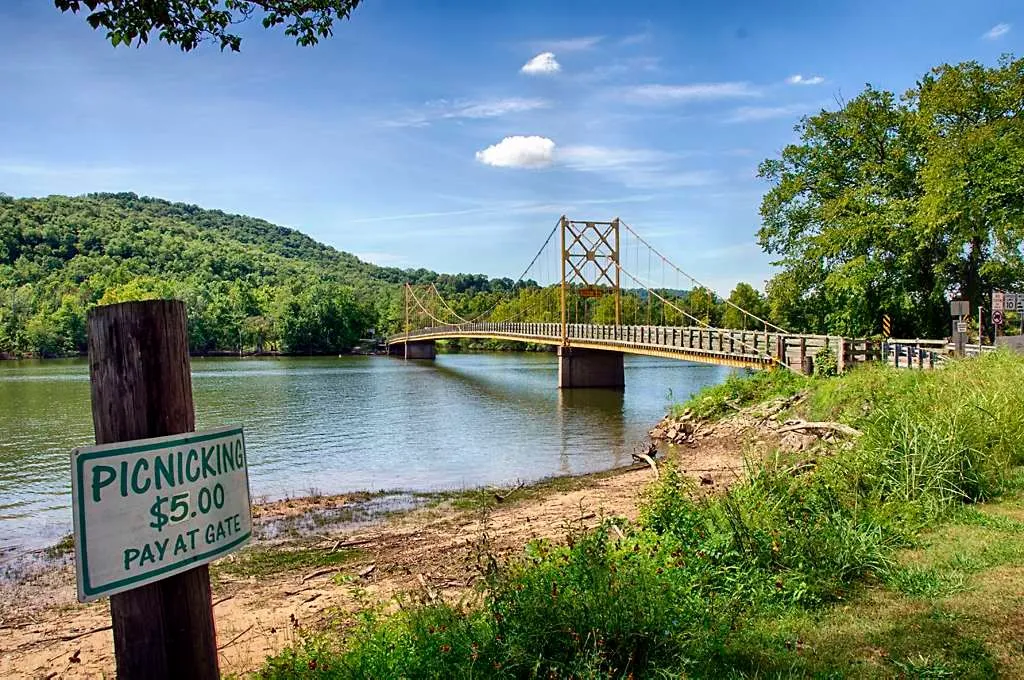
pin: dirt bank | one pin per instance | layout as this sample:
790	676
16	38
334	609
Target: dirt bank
320	561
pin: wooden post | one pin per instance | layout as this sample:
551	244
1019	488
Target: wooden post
841	356
142	387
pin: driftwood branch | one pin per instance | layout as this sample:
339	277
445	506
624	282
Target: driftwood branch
787	403
500	498
828	426
235	639
75	636
650	461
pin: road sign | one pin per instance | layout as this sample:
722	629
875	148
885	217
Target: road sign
961	326
150	508
960	308
591	292
886	326
997	317
998	300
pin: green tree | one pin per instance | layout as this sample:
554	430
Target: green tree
702	304
891	206
972	123
187	23
841	216
748	299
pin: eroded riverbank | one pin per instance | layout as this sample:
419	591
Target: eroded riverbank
319	558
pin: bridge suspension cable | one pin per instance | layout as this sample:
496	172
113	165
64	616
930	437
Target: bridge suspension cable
580	261
665	260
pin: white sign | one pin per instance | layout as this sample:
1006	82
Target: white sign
150	508
961	326
1007	302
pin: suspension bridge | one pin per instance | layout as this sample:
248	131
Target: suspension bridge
600	291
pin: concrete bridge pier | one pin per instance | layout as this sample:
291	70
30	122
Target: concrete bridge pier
590	368
422	349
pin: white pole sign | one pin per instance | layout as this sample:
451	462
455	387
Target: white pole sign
150	508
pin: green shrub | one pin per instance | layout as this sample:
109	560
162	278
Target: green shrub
826	364
671	595
743	388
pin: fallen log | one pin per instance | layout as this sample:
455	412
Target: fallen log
824	425
650	461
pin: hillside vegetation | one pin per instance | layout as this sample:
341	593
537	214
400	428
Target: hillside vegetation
889	555
248	284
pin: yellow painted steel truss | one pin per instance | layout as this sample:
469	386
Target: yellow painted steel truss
590	260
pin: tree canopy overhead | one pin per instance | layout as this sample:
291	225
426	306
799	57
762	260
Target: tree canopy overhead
894	205
187	23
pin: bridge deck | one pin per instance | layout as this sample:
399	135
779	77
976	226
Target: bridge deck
749	349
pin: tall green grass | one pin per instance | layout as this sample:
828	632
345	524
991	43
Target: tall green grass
741	388
672	594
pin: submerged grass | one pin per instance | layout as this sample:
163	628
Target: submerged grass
264	561
839	570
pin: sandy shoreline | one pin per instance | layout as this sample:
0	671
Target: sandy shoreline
321	558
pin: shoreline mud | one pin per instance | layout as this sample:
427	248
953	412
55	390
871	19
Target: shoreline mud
319	559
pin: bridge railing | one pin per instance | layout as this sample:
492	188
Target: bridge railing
758	347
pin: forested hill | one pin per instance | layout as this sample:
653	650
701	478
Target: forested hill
248	283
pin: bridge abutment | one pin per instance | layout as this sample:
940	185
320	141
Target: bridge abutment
590	368
423	349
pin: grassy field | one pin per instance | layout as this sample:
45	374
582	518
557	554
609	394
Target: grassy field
897	555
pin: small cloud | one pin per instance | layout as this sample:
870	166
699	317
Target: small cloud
656	94
519	152
442	109
635	38
494	108
621	67
799	79
636	168
543	64
567	44
750	114
997	31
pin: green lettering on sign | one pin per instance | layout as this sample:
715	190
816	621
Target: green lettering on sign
147	509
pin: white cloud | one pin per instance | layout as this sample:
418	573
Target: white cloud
494	108
567	44
997	31
635	38
749	114
543	63
519	152
635	168
593	158
443	109
799	79
656	93
620	67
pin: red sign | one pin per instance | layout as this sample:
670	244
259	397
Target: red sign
591	292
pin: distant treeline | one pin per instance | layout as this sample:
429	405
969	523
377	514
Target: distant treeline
249	285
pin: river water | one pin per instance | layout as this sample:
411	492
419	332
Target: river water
345	424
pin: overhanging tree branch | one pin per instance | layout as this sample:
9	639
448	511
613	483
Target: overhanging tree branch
187	23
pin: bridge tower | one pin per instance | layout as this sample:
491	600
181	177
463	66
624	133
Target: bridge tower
590	261
590	264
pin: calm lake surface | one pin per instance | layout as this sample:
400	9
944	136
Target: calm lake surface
345	424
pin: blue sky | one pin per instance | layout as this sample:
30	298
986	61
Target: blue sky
451	135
